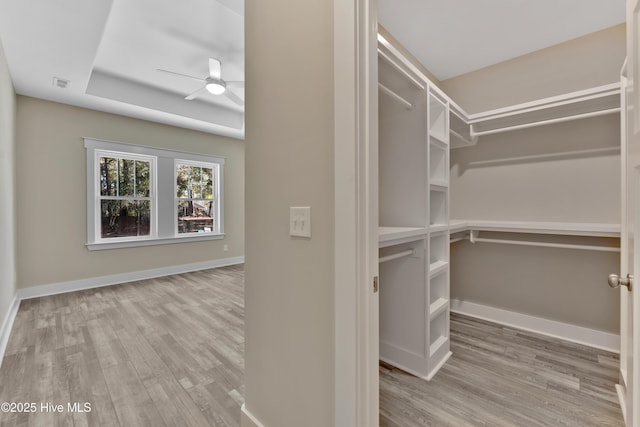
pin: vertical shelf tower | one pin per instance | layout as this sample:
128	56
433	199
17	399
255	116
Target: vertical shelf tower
414	217
438	277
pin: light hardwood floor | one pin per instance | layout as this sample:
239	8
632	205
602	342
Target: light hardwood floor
499	376
160	352
169	352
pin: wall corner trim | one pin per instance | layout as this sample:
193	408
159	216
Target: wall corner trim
551	328
7	325
248	419
116	279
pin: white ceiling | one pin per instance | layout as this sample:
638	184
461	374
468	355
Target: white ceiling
453	37
110	49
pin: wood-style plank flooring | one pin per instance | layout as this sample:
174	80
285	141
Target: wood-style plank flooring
159	352
169	352
499	376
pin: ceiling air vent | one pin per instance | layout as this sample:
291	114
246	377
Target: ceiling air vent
61	83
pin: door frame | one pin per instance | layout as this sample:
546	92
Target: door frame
629	388
356	389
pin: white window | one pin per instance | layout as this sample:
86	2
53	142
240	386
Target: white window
138	196
197	197
125	198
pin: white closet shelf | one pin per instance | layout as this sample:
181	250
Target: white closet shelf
434	228
437	267
557	228
437	307
388	236
433	348
581	104
437	185
439	139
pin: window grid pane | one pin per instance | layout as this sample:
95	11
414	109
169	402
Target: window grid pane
125	218
122	177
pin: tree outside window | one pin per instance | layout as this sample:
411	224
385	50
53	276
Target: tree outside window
196	198
125	196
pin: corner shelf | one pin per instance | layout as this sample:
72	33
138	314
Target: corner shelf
389	236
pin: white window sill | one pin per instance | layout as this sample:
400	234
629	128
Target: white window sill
195	237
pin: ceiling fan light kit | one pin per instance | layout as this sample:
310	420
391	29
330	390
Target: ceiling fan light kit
216	87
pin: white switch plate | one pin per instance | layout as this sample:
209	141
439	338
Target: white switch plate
300	221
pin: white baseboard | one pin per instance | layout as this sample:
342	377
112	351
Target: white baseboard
622	398
568	332
247	418
7	325
115	279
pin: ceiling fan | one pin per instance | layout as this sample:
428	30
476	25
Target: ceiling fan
213	83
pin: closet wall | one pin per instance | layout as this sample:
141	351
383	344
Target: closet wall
567	172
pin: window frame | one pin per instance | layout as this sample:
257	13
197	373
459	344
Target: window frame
216	190
153	216
163	186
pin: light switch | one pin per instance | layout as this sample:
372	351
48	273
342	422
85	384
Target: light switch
300	221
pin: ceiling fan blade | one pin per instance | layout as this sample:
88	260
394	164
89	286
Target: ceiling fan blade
215	69
233	5
196	94
235	98
180	74
234	83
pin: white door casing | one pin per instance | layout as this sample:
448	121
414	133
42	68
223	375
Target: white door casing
629	388
356	213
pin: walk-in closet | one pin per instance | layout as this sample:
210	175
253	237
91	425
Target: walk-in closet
499	221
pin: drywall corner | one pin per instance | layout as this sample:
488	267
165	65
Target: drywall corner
8	280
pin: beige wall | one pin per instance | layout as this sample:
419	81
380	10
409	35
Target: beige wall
51	189
588	61
7	189
289	316
565	172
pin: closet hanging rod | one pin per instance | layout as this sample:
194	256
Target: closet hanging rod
474	239
545	122
408	252
395	96
398	67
